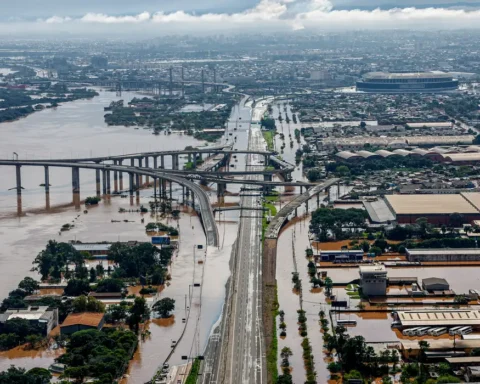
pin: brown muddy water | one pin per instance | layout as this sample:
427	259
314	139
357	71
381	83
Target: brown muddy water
77	129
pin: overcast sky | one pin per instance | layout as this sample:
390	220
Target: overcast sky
161	16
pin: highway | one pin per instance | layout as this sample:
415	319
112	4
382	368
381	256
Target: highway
235	353
246	359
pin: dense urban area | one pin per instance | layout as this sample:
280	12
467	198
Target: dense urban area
288	208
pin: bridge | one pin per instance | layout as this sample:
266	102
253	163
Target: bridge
205	209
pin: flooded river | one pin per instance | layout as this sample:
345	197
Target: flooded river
77	129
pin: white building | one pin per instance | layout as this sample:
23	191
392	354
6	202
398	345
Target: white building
373	280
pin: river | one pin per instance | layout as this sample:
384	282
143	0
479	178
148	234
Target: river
77	129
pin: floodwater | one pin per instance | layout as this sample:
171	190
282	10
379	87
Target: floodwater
73	130
77	129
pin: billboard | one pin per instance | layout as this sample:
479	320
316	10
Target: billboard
160	240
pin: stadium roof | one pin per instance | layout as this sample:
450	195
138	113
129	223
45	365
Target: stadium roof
473	198
347	155
419	204
410	75
443	251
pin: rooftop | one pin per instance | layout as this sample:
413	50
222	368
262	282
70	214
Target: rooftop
91	319
440	317
378	268
409	75
418	204
443	251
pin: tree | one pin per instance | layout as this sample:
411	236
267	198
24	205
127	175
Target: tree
29	285
342	171
117	313
100	270
377	251
14	375
164	307
93	275
328	286
34	340
139	312
365	245
286	353
87	304
77	287
110	285
456	220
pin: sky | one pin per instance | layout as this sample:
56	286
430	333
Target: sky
116	17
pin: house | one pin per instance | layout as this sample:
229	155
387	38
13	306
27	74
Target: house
81	321
43	317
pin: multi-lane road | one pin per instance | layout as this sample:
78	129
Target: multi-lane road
236	352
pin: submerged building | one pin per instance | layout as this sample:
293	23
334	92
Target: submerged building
385	82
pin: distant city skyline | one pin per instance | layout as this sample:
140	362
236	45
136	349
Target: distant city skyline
157	17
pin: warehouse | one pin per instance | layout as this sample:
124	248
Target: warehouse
411	349
341	256
435	208
437	318
444	254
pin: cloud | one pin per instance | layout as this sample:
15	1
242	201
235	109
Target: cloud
288	14
105	19
57	20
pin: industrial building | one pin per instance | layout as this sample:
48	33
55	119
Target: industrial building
448	347
348	255
444	254
421	82
43	317
435	208
443	317
373	280
81	321
435	284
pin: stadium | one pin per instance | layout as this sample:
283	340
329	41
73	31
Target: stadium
384	82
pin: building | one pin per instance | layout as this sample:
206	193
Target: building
81	321
432	284
348	255
43	317
439	318
443	254
411	349
419	82
373	280
437	208
106	295
93	249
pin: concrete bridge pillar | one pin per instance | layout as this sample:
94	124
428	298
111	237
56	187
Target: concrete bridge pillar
19	189
120	163
147	166
318	200
47	187
131	186
162	161
115	178
140	164
76	186
109	190
221	188
175	163
132	162
183	194
104	181
171	196
155	162
137	185
155	189
97	181
267	160
195	160
189	157
193	200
